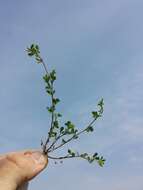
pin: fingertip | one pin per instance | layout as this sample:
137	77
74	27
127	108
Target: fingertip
39	158
40	162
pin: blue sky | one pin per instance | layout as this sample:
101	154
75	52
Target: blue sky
96	48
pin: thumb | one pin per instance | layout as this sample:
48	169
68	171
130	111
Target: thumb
20	167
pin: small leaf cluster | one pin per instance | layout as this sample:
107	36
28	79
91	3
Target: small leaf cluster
90	129
97	114
59	135
34	50
94	158
70	128
99	159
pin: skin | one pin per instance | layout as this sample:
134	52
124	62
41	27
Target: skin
17	168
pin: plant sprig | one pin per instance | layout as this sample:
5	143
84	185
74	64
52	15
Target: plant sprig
59	135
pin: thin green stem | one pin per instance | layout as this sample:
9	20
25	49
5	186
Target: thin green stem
52	117
63	157
59	137
44	65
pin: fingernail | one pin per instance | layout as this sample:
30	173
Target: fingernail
38	157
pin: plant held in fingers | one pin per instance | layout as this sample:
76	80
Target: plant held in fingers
58	135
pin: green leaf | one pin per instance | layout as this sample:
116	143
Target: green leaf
49	91
51	109
73	154
101	103
61	129
97	158
56	100
69	151
53	134
95	114
53	75
56	124
95	154
37	47
30	54
70	125
101	162
32	46
90	129
46	78
59	115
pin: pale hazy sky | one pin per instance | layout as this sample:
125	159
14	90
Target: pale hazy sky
96	46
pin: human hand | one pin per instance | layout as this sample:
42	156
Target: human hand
17	168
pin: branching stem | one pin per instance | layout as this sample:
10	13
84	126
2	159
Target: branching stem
79	133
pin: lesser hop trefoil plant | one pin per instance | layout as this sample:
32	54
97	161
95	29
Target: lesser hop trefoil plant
58	136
